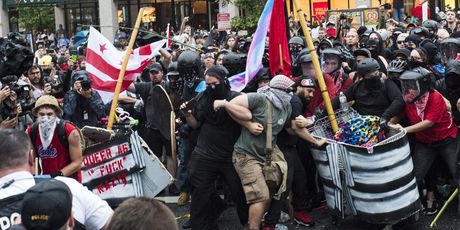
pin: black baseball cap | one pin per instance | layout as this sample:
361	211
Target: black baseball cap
155	67
304	81
46	205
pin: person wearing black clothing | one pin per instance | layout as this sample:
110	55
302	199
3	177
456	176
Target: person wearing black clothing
149	130
373	95
82	105
449	87
212	156
305	87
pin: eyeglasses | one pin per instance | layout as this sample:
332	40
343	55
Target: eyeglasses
400	42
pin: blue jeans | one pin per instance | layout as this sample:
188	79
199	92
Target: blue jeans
398	14
184	150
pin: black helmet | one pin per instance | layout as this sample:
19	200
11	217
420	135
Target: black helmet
235	63
431	25
306	58
415	83
172	69
297	40
453	66
420	31
397	66
367	65
263	74
188	59
362	52
333	52
449	48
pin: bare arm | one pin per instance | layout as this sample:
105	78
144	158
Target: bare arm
303	134
237	108
75	152
126	99
426	124
131	88
167	57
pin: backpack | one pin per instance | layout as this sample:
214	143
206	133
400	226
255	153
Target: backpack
60	126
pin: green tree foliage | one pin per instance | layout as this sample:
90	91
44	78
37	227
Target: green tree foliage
36	18
250	12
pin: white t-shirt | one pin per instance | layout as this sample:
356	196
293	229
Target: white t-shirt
87	208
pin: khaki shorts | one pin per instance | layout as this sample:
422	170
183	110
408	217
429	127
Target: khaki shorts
252	178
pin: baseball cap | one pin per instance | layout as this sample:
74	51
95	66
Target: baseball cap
155	67
46	205
304	81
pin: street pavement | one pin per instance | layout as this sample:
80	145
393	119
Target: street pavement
229	219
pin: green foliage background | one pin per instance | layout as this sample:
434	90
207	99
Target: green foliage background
250	13
35	18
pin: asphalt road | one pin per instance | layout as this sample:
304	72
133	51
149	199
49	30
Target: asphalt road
229	220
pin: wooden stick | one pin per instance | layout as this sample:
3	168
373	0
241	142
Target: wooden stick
281	57
319	73
123	69
452	197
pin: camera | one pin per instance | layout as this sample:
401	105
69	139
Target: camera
343	16
54	83
85	82
23	97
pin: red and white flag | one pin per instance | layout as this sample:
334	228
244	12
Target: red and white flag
103	63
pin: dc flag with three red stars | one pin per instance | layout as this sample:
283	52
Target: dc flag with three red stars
103	63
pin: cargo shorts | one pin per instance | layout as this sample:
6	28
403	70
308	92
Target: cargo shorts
250	170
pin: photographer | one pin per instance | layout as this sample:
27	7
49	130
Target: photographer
82	105
8	120
15	103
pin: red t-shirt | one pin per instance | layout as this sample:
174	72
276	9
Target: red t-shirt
435	111
56	156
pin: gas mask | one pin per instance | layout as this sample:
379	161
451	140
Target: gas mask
46	126
412	90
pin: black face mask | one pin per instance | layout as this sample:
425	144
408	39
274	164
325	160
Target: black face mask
177	85
217	91
374	52
453	82
413	64
373	83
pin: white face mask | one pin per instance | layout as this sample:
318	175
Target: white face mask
46	126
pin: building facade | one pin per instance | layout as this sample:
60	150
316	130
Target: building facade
77	15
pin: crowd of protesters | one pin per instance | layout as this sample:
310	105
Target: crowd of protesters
407	72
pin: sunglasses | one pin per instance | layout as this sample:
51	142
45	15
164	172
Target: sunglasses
400	42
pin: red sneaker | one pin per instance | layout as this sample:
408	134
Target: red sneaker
268	228
303	219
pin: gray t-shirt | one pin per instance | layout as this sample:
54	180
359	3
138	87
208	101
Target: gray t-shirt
255	145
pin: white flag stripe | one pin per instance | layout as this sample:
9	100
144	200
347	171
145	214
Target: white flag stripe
104	77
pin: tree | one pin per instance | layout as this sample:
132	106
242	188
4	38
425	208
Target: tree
36	18
250	13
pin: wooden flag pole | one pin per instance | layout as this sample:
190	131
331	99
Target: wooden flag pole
281	57
123	69
319	73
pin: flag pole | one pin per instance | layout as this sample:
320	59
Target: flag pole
123	69
319	73
281	56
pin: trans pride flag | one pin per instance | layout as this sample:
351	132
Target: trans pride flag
256	50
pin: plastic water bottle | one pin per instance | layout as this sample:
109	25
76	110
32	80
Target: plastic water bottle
343	102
